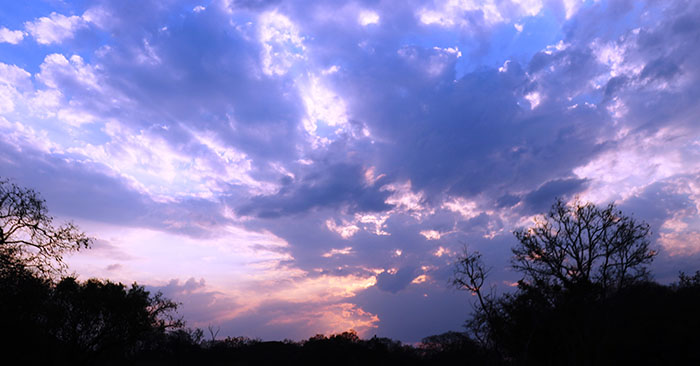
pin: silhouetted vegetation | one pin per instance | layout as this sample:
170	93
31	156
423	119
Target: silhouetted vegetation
586	298
92	322
28	236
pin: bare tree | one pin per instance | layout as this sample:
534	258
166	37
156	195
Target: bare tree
573	260
470	275
582	244
213	333
28	236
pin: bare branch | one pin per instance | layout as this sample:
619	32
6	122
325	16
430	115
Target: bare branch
27	234
583	244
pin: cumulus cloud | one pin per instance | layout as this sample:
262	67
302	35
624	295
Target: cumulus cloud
10	36
55	28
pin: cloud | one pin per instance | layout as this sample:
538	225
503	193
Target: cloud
10	36
200	306
13	81
396	281
338	185
55	28
539	200
300	321
477	14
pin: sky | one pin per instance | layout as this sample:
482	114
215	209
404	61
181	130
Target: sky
288	168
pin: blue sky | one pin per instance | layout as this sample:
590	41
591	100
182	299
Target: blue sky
291	168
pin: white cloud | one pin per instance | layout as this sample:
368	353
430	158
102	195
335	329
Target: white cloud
7	98
165	171
442	251
322	106
571	7
21	136
10	36
529	7
534	99
367	17
55	28
57	69
681	243
331	70
637	162
346	230
13	79
614	55
451	13
431	234
468	209
405	200
45	103
98	16
281	43
334	252
14	76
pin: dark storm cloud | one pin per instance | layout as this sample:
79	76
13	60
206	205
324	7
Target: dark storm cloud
336	186
395	282
541	199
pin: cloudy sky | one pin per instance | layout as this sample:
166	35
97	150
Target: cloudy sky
291	168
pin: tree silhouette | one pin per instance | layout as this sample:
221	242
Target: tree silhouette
53	320
580	244
27	233
579	301
93	322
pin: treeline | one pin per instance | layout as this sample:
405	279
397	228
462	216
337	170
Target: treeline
586	297
104	323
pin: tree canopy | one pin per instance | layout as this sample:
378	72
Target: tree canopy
585	296
580	244
28	235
